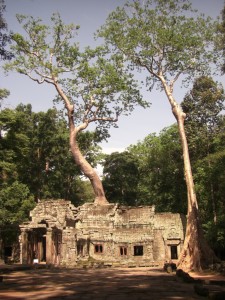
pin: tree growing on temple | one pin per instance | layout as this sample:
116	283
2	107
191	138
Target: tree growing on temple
168	41
93	86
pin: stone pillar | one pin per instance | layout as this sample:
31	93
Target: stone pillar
63	250
24	247
72	248
167	252
49	246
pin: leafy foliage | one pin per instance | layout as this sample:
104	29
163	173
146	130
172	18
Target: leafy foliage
35	151
203	106
121	176
161	37
161	175
4	37
15	204
220	43
93	82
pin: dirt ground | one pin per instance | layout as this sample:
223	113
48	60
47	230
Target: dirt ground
100	284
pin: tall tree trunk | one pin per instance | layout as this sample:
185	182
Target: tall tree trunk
196	253
87	169
80	160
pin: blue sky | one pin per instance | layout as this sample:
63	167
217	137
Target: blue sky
90	15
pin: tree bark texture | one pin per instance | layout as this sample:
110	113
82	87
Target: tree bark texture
88	171
196	254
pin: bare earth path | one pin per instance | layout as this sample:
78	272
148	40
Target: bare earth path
100	284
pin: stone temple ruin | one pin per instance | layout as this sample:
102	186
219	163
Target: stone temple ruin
61	234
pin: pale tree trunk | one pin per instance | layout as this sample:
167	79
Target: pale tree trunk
79	159
196	253
87	170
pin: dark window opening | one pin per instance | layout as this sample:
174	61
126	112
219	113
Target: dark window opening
8	251
123	250
98	248
138	250
80	249
173	252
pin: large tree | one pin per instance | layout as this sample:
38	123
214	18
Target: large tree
34	149
94	88
168	41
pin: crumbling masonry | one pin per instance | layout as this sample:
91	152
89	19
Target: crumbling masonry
61	234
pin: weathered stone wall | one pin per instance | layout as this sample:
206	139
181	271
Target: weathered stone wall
172	225
58	213
109	233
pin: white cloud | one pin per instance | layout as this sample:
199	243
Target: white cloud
111	150
107	150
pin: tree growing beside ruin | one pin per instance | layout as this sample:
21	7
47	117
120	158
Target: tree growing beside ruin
168	41
93	87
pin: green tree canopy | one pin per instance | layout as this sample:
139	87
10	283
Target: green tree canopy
161	179
203	106
35	151
15	204
220	43
4	37
120	178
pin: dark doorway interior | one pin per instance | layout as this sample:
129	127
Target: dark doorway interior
8	251
43	243
173	252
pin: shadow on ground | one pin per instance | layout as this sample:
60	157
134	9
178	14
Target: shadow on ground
100	284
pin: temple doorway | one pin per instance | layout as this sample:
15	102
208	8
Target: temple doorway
173	252
37	245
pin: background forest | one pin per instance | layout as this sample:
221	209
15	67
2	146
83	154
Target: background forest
36	162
